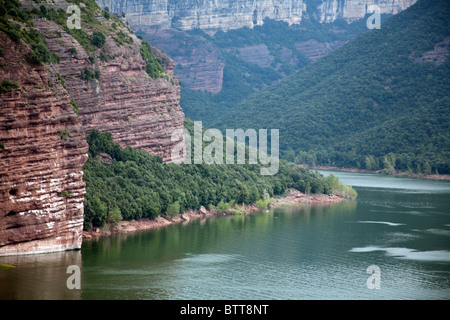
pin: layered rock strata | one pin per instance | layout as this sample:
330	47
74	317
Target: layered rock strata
42	156
314	49
199	64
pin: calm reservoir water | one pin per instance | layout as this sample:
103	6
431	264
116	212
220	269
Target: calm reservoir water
399	225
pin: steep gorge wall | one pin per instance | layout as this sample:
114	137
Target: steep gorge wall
200	65
351	10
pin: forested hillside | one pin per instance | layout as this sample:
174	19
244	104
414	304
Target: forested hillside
379	102
130	184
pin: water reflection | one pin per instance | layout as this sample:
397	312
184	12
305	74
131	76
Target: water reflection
408	254
38	276
172	242
307	252
395	184
212	257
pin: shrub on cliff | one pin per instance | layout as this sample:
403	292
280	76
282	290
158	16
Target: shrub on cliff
7	85
153	64
73	105
98	39
40	53
88	75
11	29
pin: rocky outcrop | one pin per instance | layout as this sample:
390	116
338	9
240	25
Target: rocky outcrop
43	150
437	56
199	64
314	49
258	54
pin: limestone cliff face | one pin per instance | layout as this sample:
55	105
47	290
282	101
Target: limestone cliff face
42	156
234	14
206	14
351	10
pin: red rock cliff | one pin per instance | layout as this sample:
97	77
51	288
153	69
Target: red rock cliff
139	111
43	150
43	140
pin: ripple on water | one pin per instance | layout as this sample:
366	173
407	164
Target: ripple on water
408	253
392	224
440	232
208	258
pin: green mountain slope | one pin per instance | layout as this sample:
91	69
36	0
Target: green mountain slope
252	59
381	101
245	74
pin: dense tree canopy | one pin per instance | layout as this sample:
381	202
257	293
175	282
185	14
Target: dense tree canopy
139	185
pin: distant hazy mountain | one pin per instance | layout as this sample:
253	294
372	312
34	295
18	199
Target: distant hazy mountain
380	101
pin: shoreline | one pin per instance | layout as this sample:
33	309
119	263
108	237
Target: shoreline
292	198
441	177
